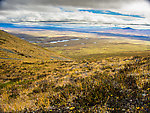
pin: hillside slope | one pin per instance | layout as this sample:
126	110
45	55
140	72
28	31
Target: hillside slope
12	47
116	84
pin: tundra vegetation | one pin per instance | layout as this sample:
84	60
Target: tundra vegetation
115	83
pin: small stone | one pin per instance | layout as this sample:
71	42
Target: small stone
123	109
144	95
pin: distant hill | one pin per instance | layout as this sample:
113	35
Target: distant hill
128	28
12	47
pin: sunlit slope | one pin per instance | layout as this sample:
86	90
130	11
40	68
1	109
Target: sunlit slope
12	47
114	84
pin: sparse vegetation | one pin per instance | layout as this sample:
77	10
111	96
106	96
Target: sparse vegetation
15	48
110	84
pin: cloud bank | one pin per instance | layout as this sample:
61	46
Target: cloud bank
8	4
72	11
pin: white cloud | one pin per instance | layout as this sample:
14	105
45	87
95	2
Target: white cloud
140	7
24	13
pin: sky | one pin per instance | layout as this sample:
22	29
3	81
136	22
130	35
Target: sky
76	13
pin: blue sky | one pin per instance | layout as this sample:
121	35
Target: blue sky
109	13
